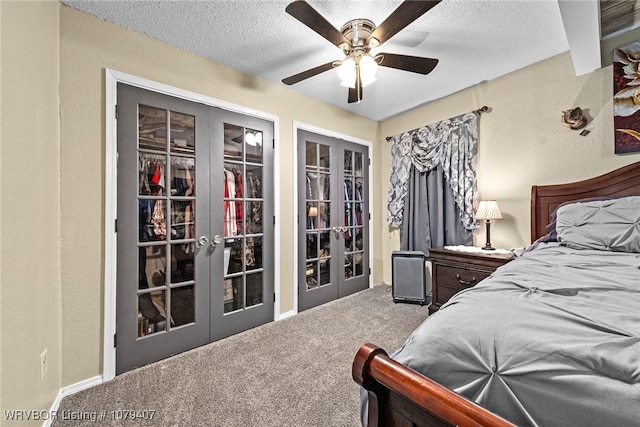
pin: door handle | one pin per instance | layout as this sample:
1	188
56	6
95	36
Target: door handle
342	229
202	241
217	239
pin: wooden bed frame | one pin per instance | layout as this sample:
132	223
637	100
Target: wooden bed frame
399	396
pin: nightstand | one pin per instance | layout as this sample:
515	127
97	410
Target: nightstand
453	271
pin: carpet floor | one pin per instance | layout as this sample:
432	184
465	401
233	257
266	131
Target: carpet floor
293	372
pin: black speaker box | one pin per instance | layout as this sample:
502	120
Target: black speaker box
410	277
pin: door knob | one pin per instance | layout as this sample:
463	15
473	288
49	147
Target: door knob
203	241
338	230
217	239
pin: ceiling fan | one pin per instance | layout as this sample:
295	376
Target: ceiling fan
356	38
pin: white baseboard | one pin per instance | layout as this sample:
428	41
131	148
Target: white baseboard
289	313
68	391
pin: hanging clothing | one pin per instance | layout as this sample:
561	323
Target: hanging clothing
158	220
230	224
237	176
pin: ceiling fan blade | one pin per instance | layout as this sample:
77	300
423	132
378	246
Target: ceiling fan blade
303	12
414	64
404	15
308	73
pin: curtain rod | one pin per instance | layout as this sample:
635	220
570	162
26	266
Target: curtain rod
480	110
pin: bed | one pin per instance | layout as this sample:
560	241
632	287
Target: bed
551	338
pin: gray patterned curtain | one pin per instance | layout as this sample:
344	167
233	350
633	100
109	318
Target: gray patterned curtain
449	146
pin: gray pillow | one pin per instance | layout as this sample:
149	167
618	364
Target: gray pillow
609	225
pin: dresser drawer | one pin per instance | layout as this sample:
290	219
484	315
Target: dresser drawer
445	293
459	277
454	271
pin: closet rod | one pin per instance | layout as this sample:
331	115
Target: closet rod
480	110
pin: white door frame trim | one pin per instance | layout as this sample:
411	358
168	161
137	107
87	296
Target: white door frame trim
112	78
332	134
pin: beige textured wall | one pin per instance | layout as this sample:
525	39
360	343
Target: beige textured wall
29	206
88	46
521	140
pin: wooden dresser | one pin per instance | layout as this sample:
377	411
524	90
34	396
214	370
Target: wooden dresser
453	271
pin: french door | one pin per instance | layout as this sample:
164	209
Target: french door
194	225
333	219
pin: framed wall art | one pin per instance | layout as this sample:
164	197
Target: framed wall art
626	98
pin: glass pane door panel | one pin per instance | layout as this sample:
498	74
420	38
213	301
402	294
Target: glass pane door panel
324	187
151	313
152	128
358	164
324	215
359	236
152	262
312	215
183	131
233	142
233	294
312	155
359	271
152	220
325	158
183	217
325	271
182	305
253	254
183	174
182	262
312	245
312	274
254	289
254	182
312	190
348	266
233	256
151	177
253	145
348	162
254	217
325	244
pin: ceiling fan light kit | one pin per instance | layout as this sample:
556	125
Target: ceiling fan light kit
356	39
349	67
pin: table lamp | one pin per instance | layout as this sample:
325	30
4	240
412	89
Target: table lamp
488	210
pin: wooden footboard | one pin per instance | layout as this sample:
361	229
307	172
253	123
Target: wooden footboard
399	396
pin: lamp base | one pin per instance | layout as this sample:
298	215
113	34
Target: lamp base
487	246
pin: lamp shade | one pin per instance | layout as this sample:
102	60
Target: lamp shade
347	70
488	209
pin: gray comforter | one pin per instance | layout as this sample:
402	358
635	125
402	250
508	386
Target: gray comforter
551	339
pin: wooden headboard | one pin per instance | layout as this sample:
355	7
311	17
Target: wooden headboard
545	198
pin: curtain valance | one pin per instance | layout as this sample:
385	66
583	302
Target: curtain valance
452	143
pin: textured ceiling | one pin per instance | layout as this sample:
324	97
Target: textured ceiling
475	41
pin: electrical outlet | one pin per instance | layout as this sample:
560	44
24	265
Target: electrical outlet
44	364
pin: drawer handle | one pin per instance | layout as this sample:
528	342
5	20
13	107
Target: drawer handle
464	282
